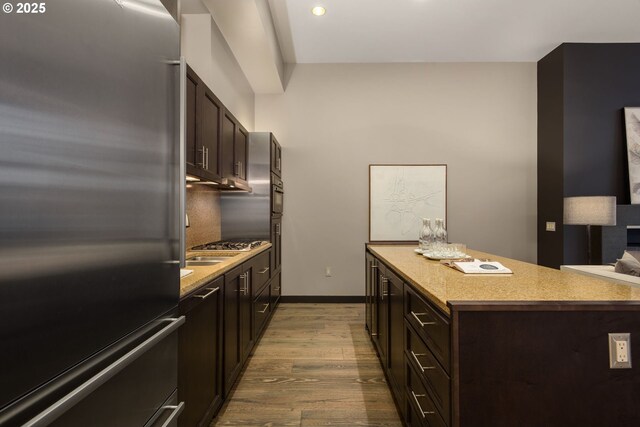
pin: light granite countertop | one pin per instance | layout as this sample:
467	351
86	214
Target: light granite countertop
204	274
528	283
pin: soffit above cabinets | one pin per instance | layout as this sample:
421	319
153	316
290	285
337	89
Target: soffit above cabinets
247	27
375	31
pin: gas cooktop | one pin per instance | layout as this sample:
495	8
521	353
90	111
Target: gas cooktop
229	245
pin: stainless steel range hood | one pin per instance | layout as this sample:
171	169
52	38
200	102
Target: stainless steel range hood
230	184
224	184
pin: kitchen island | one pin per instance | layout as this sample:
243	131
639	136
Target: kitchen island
527	349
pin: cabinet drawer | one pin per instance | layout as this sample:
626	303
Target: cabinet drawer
261	310
419	402
429	370
276	290
260	271
432	327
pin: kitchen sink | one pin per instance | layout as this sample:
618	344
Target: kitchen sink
207	260
217	258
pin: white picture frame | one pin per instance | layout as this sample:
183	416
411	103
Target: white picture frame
400	196
632	124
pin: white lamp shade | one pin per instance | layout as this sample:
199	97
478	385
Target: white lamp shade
590	210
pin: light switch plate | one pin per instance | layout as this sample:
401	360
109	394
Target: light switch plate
620	351
551	226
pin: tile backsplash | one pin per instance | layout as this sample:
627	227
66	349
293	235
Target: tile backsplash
203	208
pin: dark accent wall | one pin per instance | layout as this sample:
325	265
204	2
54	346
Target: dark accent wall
582	90
550	154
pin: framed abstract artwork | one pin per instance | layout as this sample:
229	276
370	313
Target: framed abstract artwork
632	121
400	196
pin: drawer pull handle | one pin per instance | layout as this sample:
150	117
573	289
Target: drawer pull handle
207	295
422	324
175	412
266	306
415	398
422	368
264	270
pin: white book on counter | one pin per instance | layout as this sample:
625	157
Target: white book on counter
481	267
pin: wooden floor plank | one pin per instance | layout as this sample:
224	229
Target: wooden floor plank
315	366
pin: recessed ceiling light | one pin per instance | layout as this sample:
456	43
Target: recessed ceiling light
318	10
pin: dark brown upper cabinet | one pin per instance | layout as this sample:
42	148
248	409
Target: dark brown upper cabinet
210	132
276	157
227	166
204	115
193	83
234	154
240	152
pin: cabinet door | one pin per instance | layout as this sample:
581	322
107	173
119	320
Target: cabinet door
209	120
382	311
276	239
232	351
193	89
227	150
246	325
199	362
370	280
241	152
395	357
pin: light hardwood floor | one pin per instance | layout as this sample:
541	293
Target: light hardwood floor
315	366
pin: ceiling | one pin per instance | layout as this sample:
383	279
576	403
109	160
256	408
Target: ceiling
374	31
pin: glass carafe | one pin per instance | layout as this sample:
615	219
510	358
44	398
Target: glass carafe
437	238
425	238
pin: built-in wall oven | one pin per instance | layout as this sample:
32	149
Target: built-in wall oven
277	195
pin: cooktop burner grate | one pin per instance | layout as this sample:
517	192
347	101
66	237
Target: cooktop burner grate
228	246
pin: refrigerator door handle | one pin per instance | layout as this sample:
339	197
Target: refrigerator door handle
47	416
182	159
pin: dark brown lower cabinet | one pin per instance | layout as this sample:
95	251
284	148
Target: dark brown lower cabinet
387	311
199	359
276	289
238	328
395	358
381	308
223	322
391	309
371	295
276	241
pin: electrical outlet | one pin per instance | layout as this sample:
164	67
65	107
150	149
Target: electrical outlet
620	351
327	272
551	226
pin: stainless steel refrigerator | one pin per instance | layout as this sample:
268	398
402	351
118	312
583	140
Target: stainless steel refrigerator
90	223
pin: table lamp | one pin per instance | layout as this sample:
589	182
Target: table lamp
590	210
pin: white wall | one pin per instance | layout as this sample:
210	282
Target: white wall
207	52
336	119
